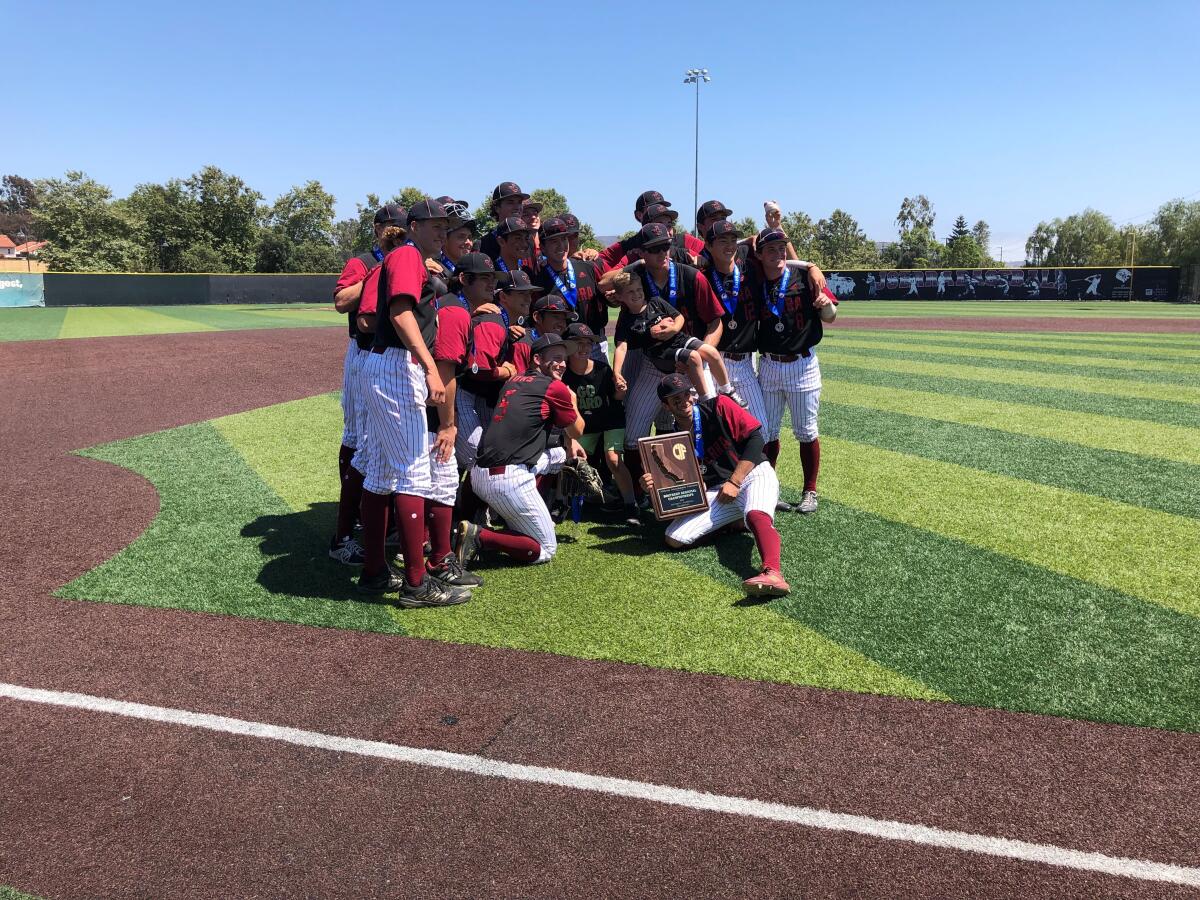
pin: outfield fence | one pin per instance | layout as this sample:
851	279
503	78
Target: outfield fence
119	289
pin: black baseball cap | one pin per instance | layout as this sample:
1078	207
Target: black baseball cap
546	341
391	214
711	208
475	264
512	225
577	331
658	210
506	189
648	197
554	302
572	222
555	227
673	384
654	234
533	205
719	228
517	280
769	236
427	209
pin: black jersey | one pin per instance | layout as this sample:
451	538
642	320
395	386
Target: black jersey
739	333
596	394
529	407
634	328
586	301
790	325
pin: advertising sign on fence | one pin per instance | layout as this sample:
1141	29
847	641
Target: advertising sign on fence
1113	283
21	289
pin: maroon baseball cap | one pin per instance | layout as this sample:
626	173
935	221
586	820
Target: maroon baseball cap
711	208
517	280
673	384
769	236
572	222
657	211
512	225
577	331
648	197
654	234
555	227
719	228
475	264
555	302
506	189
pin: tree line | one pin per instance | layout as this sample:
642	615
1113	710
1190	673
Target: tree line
213	221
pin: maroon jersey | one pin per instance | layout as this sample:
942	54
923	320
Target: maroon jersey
729	434
356	270
453	327
529	407
692	295
490	346
404	275
585	300
790	325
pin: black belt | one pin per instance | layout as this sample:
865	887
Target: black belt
738	357
782	357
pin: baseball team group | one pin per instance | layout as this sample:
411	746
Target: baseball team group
477	383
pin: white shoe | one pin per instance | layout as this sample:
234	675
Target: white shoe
808	504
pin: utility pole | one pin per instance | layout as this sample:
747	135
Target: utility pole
695	76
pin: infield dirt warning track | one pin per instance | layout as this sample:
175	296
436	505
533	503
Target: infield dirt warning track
98	802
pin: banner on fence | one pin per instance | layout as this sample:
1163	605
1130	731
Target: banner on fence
21	289
1112	283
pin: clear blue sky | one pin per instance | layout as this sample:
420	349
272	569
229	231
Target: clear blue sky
1013	112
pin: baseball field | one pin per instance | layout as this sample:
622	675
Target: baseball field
993	633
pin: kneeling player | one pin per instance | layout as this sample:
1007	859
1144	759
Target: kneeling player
514	454
740	482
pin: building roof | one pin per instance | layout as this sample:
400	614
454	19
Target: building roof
30	246
6	241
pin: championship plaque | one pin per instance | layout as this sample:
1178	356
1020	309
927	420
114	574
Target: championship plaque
678	486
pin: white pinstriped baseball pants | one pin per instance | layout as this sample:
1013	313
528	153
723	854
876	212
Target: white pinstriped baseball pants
473	415
513	494
745	382
642	406
443	476
349	396
760	491
796	385
397	458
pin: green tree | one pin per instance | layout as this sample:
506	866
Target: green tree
408	196
842	244
168	226
915	212
86	231
18	198
553	203
745	226
1039	244
959	230
916	249
1088	238
963	253
802	232
304	214
1172	237
228	215
983	237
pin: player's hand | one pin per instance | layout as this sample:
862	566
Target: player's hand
437	390
622	387
728	492
664	329
577	450
816	283
487	309
516	332
587	254
647	482
443	447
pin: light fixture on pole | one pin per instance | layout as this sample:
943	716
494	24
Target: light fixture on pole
695	76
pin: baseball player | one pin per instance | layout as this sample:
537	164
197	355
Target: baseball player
550	315
507	199
710	212
739	481
515	452
573	279
732	284
400	378
600	403
531	212
684	247
587	254
791	326
515	239
460	234
348	295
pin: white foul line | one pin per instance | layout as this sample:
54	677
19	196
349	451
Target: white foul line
810	817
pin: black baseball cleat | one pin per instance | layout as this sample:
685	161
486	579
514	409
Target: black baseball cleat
347	551
431	592
384	583
633	516
452	575
466	542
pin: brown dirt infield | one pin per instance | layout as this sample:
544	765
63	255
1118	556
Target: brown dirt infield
95	804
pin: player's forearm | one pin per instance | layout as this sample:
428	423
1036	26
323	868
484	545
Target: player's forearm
575	430
712	336
741	472
619	358
828	313
347	298
410	335
446	408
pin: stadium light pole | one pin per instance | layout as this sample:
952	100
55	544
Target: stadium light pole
695	76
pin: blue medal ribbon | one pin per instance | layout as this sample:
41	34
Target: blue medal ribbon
501	264
776	304
450	267
377	253
698	434
672	284
504	316
729	302
572	294
463	300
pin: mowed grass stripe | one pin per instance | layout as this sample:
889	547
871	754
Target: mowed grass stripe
1019	357
224	542
1140	552
117	321
1087	429
31	323
1052	309
237	319
1177	404
1066	347
1124	477
983	627
623	616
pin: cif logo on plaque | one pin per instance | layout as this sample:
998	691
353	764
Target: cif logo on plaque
678	482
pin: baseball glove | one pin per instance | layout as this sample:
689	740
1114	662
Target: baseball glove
579	479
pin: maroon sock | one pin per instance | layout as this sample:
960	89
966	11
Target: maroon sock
766	537
810	461
374	512
633	462
518	546
439	518
410	522
771	449
349	502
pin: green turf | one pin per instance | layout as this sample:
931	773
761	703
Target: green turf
1066	346
1050	309
7	893
114	321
